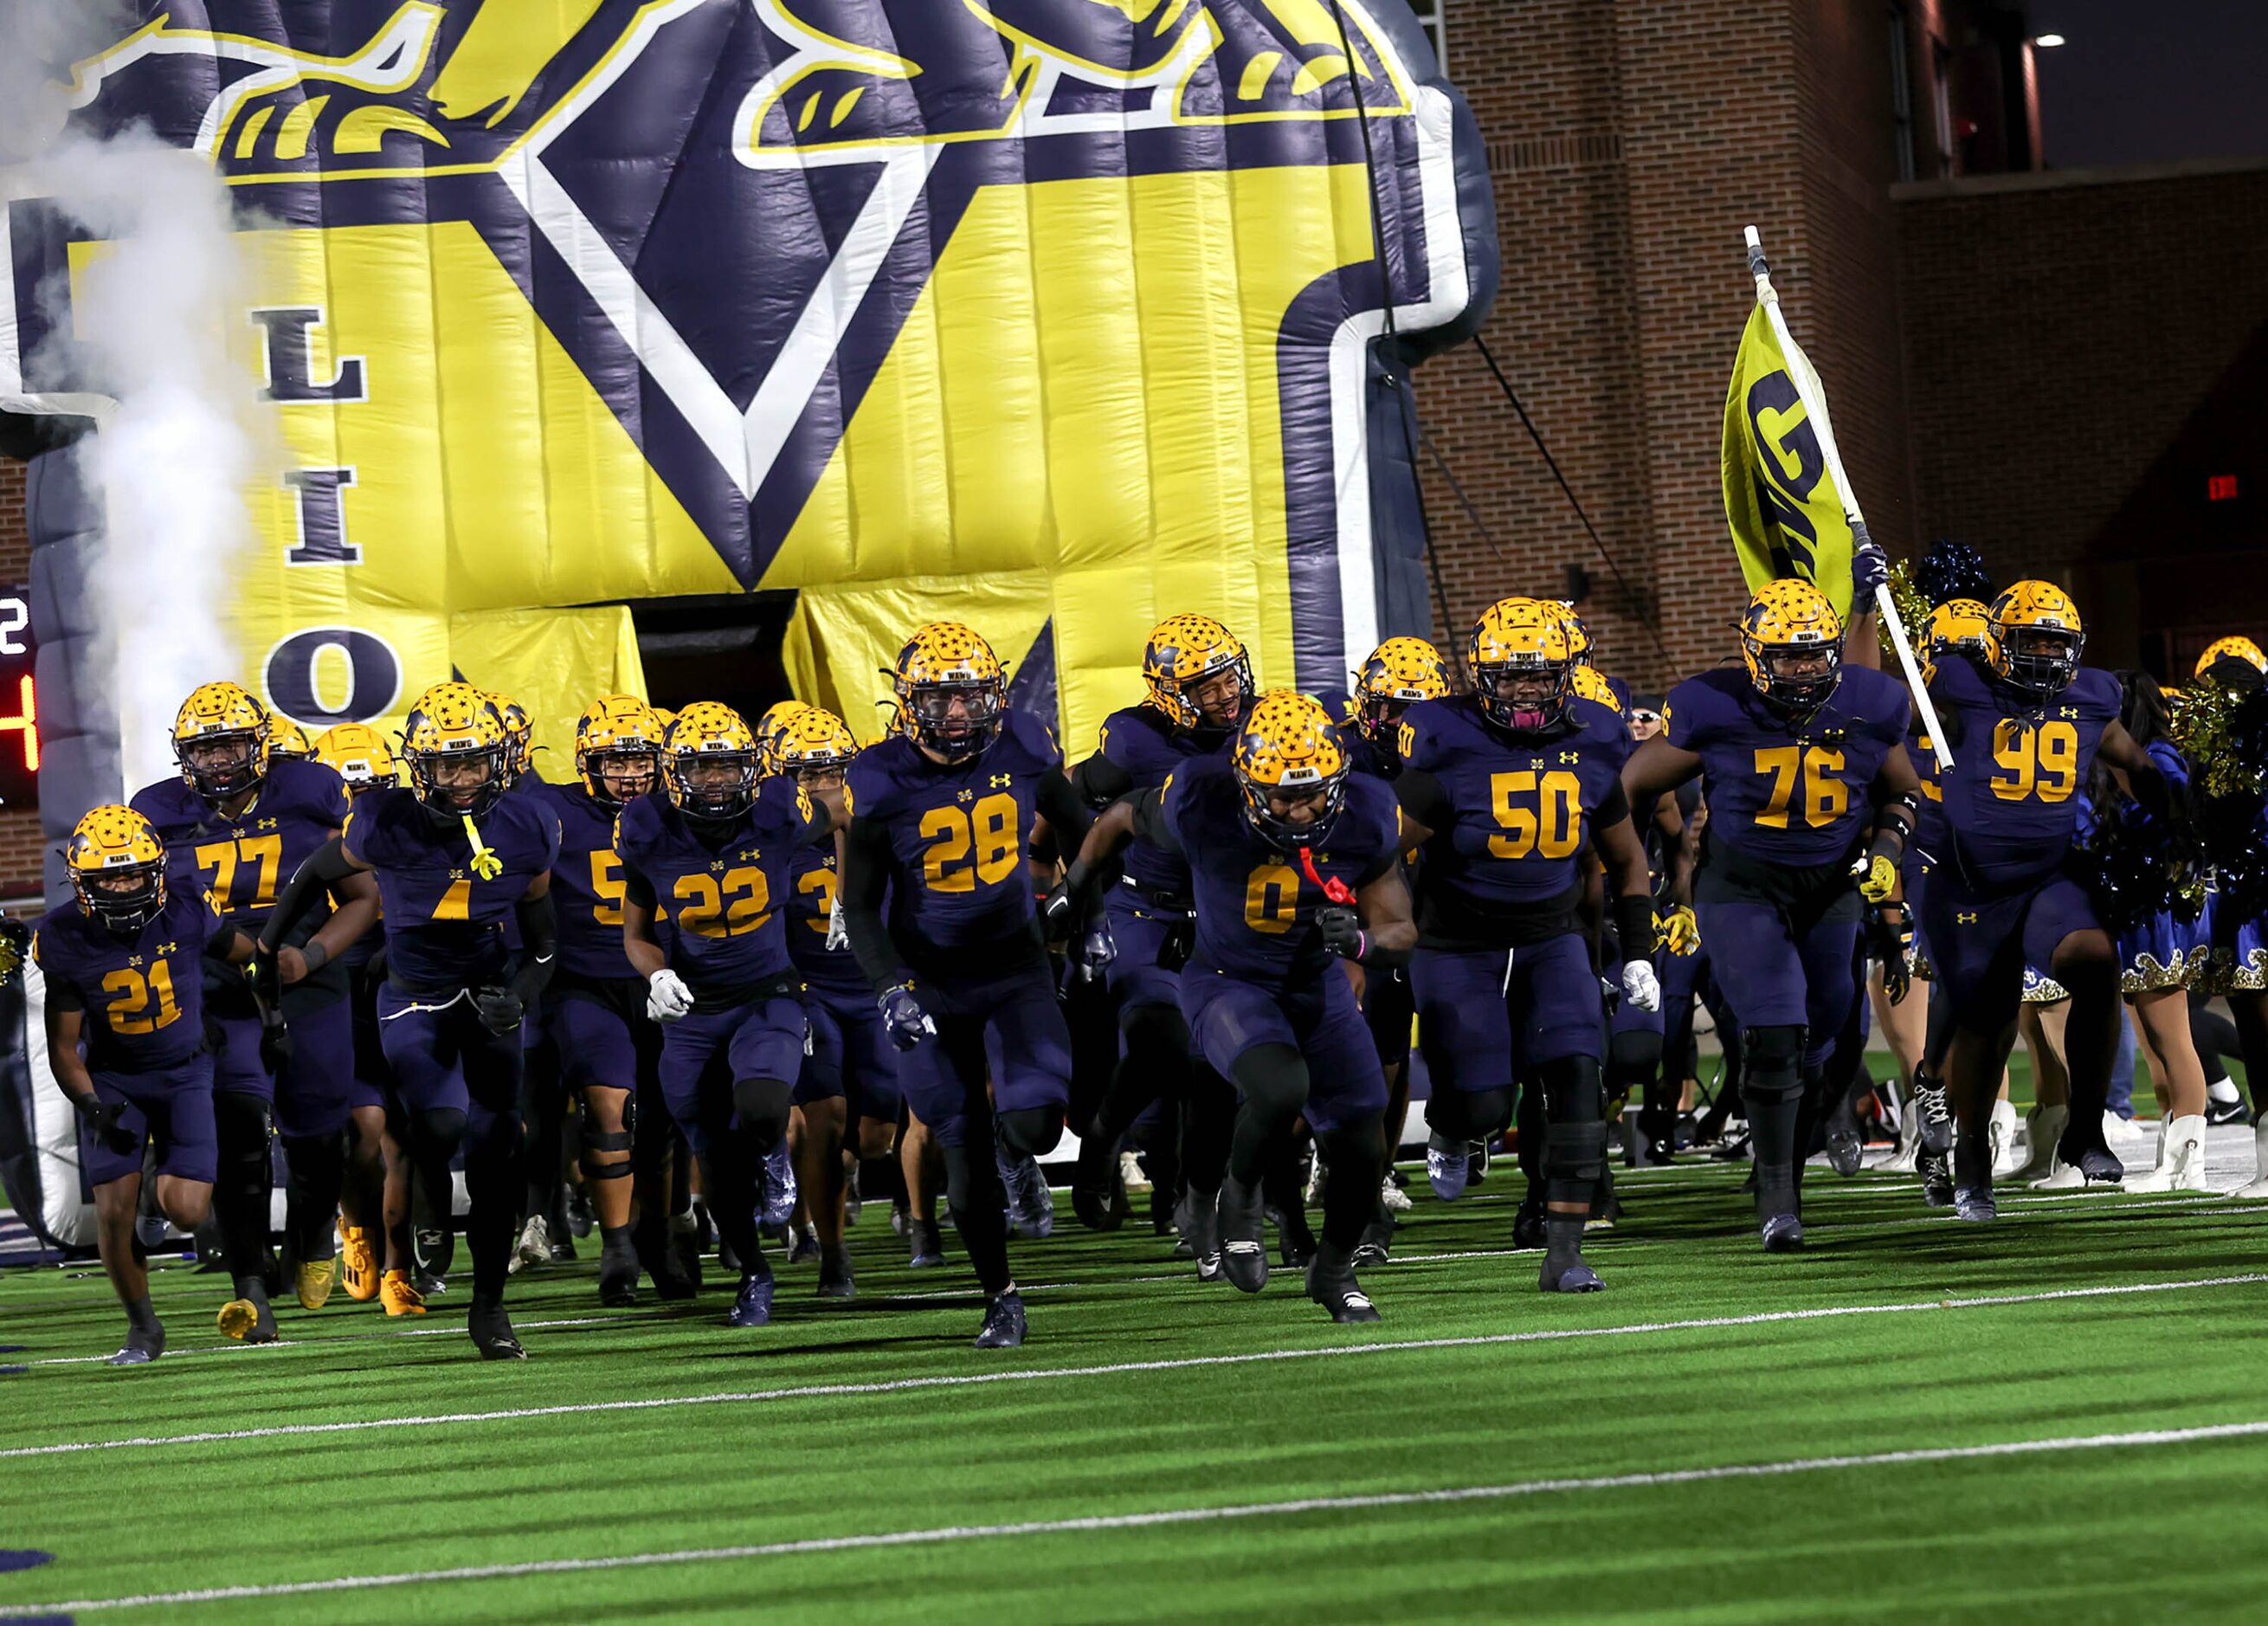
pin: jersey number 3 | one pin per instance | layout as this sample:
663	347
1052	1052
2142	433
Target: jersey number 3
987	830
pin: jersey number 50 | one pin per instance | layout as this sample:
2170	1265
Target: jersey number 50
1545	819
988	829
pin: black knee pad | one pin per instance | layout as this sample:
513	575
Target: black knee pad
1633	1057
1273	1081
762	1105
437	1127
1155	1032
1772	1061
1572	1091
1031	1130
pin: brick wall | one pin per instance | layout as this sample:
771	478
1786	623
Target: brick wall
20	845
2082	351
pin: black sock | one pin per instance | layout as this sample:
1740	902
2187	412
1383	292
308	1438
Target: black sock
141	1316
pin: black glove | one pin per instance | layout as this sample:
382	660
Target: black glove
1342	930
267	973
275	1041
105	1121
902	1015
1889	935
1870	568
500	1009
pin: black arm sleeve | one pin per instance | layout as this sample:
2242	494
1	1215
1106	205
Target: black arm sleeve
65	995
865	878
1066	815
638	889
538	944
1634	925
1609	813
218	946
1422	797
312	882
1099	781
1150	820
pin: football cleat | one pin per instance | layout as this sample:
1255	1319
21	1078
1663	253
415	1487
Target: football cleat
2099	1166
248	1320
313	1278
618	1269
1565	1270
779	1188
1975	1203
1391	1196
1031	1209
1295	1241
803	1246
2229	1111
1332	1283
1783	1233
1004	1322
836	1278
1243	1250
925	1245
533	1246
491	1330
1377	1245
357	1263
1095	1185
1449	1166
397	1296
1202	1233
144	1344
753	1306
1846	1140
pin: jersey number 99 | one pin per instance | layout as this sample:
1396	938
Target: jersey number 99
2042	759
987	831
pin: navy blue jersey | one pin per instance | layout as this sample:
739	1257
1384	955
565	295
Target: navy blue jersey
2011	803
956	833
245	861
1511	815
143	996
586	882
1255	905
720	898
445	920
1143	742
816	878
1782	789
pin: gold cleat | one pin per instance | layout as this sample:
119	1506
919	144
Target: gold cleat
314	1278
247	1322
357	1263
398	1296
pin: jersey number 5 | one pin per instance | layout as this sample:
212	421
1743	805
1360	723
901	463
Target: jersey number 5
1826	798
988	829
1543	812
2043	759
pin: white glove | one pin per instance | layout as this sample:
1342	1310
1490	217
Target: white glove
838	936
668	998
1640	987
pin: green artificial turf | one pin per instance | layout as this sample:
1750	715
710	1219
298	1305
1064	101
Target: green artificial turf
2160	1529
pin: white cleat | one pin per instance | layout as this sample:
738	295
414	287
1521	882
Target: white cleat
1396	1198
2001	1132
1130	1171
2043	1127
533	1246
2060	1176
2257	1189
2181	1158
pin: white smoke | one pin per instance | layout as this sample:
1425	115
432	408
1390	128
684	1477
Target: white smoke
182	429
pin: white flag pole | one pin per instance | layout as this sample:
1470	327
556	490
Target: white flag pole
1815	407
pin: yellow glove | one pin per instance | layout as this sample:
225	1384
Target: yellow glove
1877	877
1678	931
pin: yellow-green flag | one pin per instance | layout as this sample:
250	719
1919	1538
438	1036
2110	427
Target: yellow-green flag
1787	516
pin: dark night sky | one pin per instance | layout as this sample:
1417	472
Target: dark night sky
2150	81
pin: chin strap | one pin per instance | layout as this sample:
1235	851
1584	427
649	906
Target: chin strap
486	864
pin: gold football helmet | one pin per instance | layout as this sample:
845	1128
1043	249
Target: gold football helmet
1792	642
117	868
359	754
1185	657
1400	672
220	739
2231	648
519	735
618	749
287	741
711	760
952	691
455	746
2033	637
1291	768
813	746
1520	658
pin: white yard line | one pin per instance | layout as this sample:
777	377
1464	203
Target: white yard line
941	1536
1119	1368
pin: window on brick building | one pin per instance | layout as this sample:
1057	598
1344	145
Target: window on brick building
1901	26
1434	15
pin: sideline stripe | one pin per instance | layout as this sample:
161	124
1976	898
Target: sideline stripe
943	1534
1045	1374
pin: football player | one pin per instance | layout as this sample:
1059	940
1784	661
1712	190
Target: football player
940	814
238	822
709	862
848	1090
454	854
1199	679
124	980
287	741
610	1050
2025	723
1294	861
1501	791
1797	754
520	741
375	1199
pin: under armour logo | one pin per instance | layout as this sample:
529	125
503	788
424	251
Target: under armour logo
1570	756
2068	710
1965	919
167	947
749	855
1001	781
267	824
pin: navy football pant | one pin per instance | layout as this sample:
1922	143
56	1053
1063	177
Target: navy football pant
1782	967
727	1074
170	1108
459	1085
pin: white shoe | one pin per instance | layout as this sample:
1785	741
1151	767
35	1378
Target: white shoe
533	1246
2043	1127
2061	1176
1396	1198
2258	1188
2115	1129
1129	1174
2181	1158
1901	1161
2001	1132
